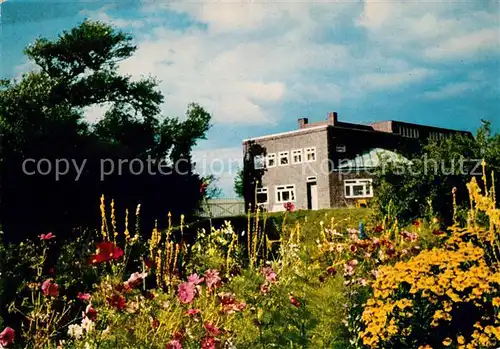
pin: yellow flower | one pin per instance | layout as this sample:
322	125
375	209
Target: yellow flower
447	342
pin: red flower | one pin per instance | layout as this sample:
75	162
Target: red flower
47	237
148	263
155	323
331	270
49	288
186	292
290	207
438	232
416	223
192	312
106	251
7	336
174	344
211	329
294	301
117	302
83	296
378	229
203	187
208	343
90	313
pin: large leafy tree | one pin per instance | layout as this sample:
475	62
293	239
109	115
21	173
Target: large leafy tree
42	116
424	186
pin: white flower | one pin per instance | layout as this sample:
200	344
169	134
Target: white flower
75	331
87	324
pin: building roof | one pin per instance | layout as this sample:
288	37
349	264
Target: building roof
373	158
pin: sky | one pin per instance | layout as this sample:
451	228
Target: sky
258	66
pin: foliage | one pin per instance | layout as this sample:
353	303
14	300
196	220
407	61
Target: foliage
42	117
409	191
238	184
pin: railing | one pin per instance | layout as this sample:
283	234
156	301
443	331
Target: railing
223	207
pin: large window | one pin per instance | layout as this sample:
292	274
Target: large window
271	160
408	132
310	154
262	195
296	156
285	193
358	188
283	159
259	162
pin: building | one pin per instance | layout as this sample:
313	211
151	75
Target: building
330	163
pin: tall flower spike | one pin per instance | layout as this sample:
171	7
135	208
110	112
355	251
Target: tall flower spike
113	219
103	219
126	232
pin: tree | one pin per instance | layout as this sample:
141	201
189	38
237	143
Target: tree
424	187
42	117
238	184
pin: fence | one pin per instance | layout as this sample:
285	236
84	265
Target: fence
223	207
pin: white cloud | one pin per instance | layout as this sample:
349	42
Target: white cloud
392	80
101	15
459	47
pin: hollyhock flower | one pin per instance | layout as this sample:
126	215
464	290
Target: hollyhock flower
208	343
290	207
90	313
7	336
174	344
49	288
195	279
135	279
186	292
106	251
47	237
269	273
192	312
117	301
83	296
294	301
212	278
211	329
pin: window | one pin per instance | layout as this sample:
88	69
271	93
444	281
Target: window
310	154
358	188
340	148
261	194
271	160
296	156
259	162
408	132
285	193
283	158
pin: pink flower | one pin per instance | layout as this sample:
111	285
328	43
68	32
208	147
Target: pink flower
211	329
269	273
192	312
195	279
186	292
83	296
47	237
49	288
212	278
7	336
409	236
117	301
208	343
290	207
174	344
229	303
135	280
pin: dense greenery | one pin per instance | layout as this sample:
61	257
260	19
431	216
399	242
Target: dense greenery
42	116
424	187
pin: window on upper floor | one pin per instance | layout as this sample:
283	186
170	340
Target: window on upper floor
296	156
262	195
408	132
310	154
271	160
285	193
259	162
358	188
283	159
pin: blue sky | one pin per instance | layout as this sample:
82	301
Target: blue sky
258	66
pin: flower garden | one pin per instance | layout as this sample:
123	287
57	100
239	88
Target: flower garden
321	284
